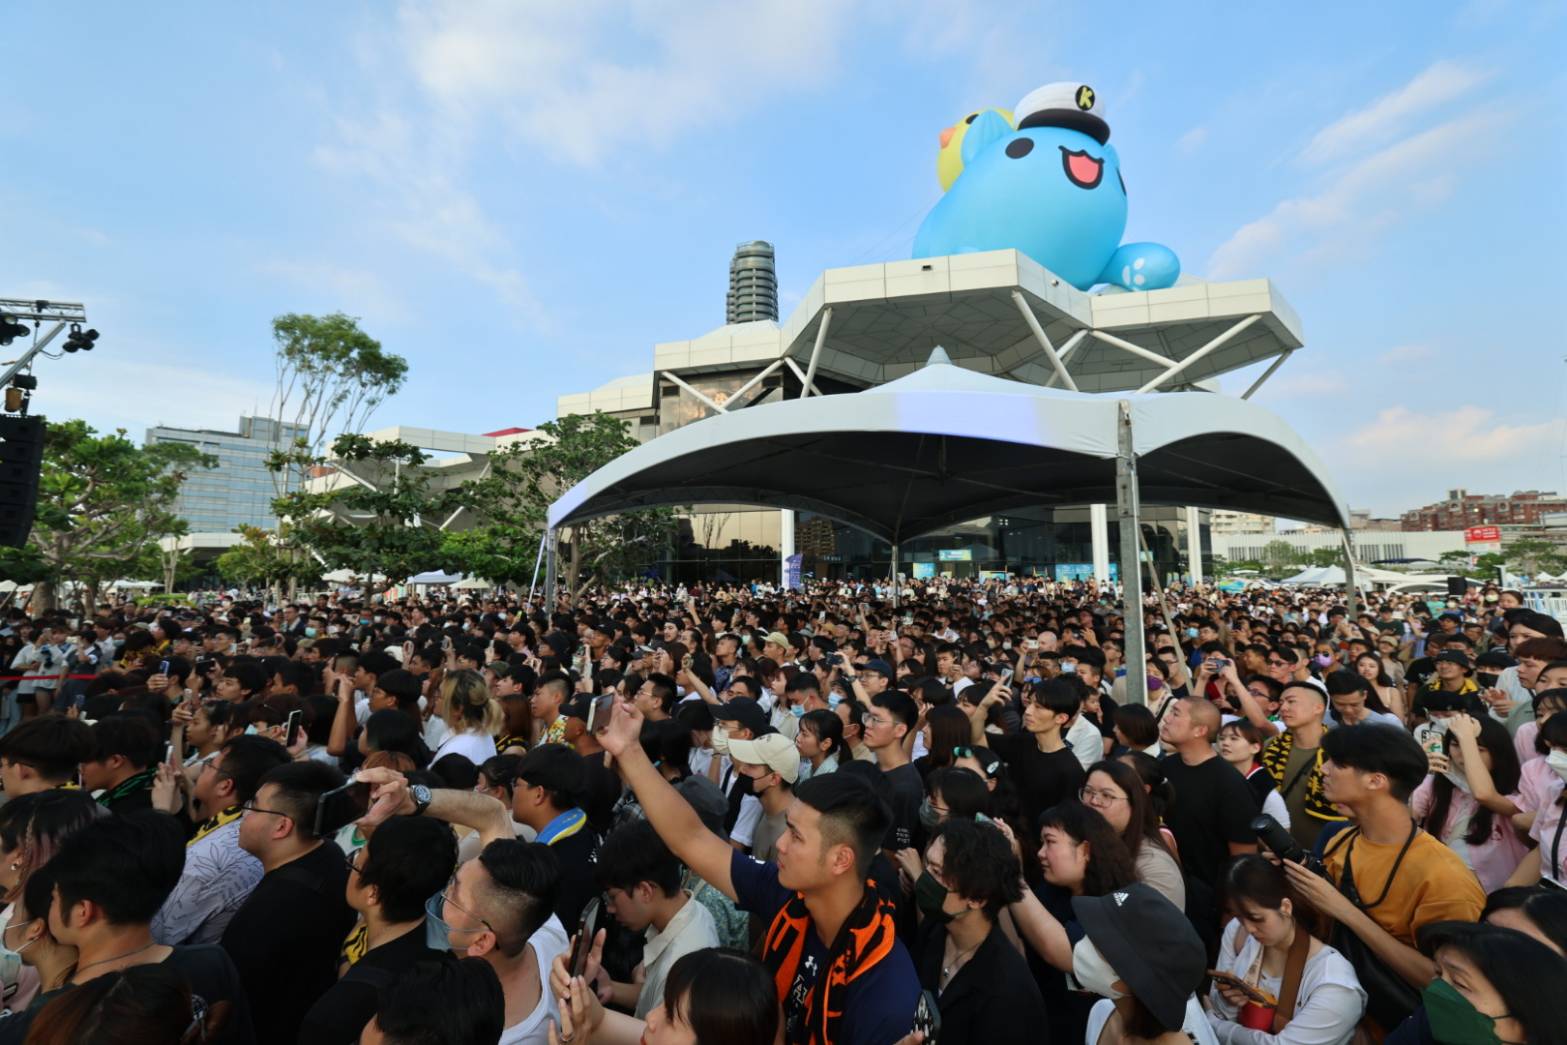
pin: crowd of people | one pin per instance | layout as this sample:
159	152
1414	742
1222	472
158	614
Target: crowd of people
734	815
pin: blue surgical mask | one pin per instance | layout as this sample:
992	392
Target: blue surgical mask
1191	633
797	710
310	633
834	699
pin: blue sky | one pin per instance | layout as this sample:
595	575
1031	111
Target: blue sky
521	198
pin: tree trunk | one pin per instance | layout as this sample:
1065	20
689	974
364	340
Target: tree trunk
89	597
573	567
44	598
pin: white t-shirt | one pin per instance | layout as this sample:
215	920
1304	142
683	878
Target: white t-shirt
533	1029
1195	1026
477	748
1328	1005
1086	742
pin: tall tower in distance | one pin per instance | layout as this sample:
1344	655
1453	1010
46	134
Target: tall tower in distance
753	284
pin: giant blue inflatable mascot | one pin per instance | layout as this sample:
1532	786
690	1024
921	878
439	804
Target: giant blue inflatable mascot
1051	189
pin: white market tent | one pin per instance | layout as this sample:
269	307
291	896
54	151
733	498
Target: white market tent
945	444
1365	577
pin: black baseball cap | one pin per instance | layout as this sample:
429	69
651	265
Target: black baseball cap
1453	656
1149	943
745	712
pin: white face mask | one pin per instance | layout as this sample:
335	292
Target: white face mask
1459	781
1557	760
720	740
1092	972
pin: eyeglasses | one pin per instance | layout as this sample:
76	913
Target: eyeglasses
435	905
251	807
877	720
1091	796
355	864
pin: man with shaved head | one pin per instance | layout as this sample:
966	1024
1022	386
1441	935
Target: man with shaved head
1214	806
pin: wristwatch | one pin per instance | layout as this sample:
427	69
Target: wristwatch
421	796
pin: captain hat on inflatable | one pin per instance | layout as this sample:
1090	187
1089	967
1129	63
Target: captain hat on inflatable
1065	104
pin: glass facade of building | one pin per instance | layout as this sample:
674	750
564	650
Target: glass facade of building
239	491
743	543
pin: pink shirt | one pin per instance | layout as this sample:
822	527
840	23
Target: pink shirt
1494	860
1544	832
1536	780
1523	741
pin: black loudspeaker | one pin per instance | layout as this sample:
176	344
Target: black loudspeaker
1457	586
21	460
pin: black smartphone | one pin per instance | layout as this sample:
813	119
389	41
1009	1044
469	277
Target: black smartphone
163	667
340	807
291	732
927	1017
587	928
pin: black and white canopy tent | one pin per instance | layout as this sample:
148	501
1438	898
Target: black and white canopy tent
944	445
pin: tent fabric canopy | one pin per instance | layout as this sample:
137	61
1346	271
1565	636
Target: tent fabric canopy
945	445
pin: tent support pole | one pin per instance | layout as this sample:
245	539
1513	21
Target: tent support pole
551	568
1044	342
1164	604
897	588
537	561
816	353
1351	596
1126	513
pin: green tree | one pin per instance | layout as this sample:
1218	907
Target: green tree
263	560
331	376
103	502
511	501
376	514
1326	557
1531	555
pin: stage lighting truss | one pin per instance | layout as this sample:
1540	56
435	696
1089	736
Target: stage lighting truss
23	323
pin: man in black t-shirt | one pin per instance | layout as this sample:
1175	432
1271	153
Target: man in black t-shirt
887	725
286	938
407	860
547	796
1044	769
1214	807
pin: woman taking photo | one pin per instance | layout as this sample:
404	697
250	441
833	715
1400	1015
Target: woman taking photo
1470	797
1316	999
982	984
1115	792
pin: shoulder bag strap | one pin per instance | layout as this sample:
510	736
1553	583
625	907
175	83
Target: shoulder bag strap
1556	841
1289	989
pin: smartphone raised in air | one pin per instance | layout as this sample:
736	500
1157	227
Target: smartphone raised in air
338	808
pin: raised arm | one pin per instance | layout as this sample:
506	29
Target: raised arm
671	815
1245	701
1467	730
483	813
343	721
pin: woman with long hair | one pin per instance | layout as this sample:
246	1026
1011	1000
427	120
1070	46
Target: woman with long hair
946	730
1470	797
1286	978
1370	667
1115	792
1160	792
472	714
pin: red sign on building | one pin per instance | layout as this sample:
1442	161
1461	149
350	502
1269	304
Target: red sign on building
1483	535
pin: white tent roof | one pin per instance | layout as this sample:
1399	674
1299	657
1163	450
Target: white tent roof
945	445
1327	576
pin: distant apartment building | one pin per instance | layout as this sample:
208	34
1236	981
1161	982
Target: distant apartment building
1227	522
239	491
1463	509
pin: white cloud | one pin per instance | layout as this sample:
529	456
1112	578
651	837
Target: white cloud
355	291
115	386
1301	384
1437	85
1192	140
1401	355
587	78
1359	200
1463	434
